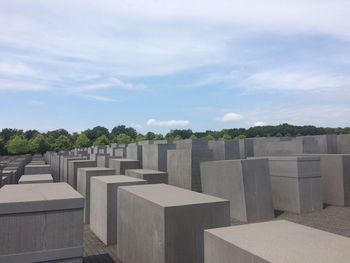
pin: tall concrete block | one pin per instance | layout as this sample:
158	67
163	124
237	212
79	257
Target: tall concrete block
335	176
154	156
343	143
296	183
320	144
35	179
73	166
41	223
183	163
104	205
120	165
37	169
160	223
151	176
276	241
245	183
224	150
84	182
64	169
134	152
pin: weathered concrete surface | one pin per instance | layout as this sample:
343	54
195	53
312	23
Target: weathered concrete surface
296	183
35	178
154	156
183	163
245	183
120	165
277	241
224	150
40	223
151	176
84	182
64	169
134	152
103	205
37	169
73	166
163	223
343	143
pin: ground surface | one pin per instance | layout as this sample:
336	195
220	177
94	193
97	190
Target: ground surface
332	219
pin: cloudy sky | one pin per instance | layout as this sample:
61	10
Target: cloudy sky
157	65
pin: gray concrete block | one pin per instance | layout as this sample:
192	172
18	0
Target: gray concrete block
245	183
104	205
343	143
296	183
37	169
73	166
154	156
162	223
184	169
40	223
276	241
35	179
83	185
120	165
134	152
224	150
151	176
64	168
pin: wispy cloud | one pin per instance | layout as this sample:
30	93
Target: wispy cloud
168	123
100	98
231	116
21	86
259	123
111	83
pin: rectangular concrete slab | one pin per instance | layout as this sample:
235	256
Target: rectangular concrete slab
245	183
103	205
35	179
151	176
120	165
73	166
37	169
41	223
84	182
163	223
276	241
154	156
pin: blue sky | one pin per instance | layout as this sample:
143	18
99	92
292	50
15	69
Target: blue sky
159	65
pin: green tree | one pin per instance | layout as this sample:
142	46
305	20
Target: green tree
226	137
123	138
239	137
210	137
2	146
62	143
102	140
150	136
38	144
96	132
82	141
30	134
158	137
18	145
122	129
140	138
193	137
177	138
8	133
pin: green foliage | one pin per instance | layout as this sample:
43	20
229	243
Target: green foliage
122	129
123	138
102	140
240	137
140	138
30	134
184	134
18	144
38	144
96	132
150	136
177	138
193	137
2	146
226	137
158	137
7	133
210	137
82	141
62	143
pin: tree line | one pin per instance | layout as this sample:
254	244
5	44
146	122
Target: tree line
14	141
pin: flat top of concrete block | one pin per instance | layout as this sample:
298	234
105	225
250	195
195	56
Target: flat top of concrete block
117	179
35	177
92	169
81	161
37	165
123	160
287	242
21	198
167	195
146	171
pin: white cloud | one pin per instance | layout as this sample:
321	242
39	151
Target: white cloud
231	116
18	85
100	98
109	84
135	125
13	68
259	123
167	123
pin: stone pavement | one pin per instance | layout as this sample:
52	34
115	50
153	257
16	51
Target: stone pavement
332	219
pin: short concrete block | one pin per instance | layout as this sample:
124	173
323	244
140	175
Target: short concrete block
245	183
41	223
160	223
151	176
275	241
84	182
120	165
35	179
37	169
103	205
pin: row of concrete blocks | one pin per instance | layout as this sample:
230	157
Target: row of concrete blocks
12	168
152	223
